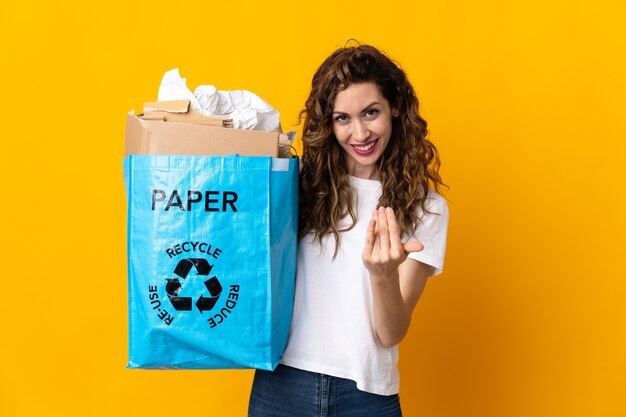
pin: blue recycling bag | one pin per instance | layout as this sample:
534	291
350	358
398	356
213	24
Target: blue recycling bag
211	260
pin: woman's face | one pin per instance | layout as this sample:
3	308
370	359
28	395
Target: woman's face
362	125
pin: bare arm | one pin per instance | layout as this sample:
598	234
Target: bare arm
397	282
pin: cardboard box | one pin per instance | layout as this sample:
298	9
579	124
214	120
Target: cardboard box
174	128
181	111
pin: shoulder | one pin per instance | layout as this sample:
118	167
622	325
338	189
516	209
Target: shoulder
435	204
431	231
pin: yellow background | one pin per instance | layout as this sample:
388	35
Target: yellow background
525	101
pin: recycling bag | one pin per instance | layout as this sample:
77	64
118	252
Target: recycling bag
211	260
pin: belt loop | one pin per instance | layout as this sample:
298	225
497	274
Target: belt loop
323	395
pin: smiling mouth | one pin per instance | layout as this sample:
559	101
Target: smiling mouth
366	148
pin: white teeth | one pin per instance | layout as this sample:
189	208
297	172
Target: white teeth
364	148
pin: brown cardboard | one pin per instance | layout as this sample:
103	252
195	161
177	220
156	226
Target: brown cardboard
180	111
166	138
190	137
170	106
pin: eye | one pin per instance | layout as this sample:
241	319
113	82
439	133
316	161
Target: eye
371	113
340	118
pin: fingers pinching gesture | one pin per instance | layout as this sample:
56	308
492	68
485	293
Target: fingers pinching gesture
384	251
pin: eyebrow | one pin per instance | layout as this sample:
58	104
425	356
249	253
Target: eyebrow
369	106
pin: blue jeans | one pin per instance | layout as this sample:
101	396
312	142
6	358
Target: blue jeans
290	392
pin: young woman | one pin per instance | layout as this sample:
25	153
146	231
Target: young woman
372	229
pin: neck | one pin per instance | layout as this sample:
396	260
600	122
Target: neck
365	172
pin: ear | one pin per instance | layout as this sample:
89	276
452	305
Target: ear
395	112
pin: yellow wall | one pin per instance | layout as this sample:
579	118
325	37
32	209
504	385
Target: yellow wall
525	100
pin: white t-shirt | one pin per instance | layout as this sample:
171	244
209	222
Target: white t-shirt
332	331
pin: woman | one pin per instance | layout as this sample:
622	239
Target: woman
372	229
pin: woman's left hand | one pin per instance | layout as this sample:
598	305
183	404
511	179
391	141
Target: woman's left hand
384	251
396	284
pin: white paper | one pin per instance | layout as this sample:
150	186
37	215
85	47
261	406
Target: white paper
247	110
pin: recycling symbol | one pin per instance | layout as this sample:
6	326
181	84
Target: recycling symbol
203	269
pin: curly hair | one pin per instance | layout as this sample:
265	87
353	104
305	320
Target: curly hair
408	167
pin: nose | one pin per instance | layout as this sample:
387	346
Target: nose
360	132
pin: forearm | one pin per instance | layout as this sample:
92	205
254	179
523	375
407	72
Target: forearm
396	284
391	315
